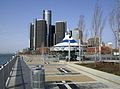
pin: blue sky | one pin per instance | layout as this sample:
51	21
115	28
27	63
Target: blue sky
15	16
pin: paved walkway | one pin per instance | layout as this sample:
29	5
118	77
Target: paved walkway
97	76
58	75
20	76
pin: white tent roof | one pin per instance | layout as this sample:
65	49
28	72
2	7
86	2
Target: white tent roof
65	42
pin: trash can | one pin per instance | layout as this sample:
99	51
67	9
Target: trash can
38	78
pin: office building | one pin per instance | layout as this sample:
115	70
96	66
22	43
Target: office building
60	29
47	15
52	32
92	42
31	36
44	34
40	33
76	34
109	44
70	32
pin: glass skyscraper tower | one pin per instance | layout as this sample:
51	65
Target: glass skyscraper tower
47	15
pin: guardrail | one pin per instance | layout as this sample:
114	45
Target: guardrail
5	72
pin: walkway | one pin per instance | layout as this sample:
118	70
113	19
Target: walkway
58	75
20	76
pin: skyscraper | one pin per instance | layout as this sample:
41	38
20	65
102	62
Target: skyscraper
47	15
60	29
31	36
52	32
40	33
46	34
76	34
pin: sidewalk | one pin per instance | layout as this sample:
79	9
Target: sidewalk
110	80
20	76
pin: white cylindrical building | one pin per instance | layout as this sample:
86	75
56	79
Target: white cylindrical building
47	15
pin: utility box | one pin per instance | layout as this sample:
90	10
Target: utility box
38	78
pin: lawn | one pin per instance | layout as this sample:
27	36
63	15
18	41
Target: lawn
104	66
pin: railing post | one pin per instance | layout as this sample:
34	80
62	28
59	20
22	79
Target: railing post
2	78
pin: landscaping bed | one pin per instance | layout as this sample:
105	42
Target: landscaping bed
112	68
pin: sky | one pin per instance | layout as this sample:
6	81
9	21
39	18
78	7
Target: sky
16	15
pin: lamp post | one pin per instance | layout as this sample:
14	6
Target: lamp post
100	49
79	50
43	53
119	47
95	51
69	49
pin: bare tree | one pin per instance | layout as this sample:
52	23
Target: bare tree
81	28
114	20
85	36
97	28
113	25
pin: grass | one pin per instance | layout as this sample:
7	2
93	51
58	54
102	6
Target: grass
112	68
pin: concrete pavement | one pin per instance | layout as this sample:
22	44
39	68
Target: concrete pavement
20	76
112	81
58	75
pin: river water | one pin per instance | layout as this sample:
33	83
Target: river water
5	57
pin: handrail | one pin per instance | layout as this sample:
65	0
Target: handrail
5	71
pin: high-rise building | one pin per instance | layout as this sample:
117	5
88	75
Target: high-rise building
40	33
52	32
44	34
76	34
70	32
47	15
31	36
60	29
92	42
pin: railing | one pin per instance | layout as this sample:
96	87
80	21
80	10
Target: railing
5	72
104	58
52	58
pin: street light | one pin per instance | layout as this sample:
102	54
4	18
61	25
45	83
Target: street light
69	48
100	49
79	50
119	47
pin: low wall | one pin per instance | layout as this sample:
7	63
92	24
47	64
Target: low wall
5	72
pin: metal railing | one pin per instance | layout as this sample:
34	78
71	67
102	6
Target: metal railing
103	57
5	71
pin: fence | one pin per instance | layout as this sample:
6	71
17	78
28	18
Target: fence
5	72
103	57
51	58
